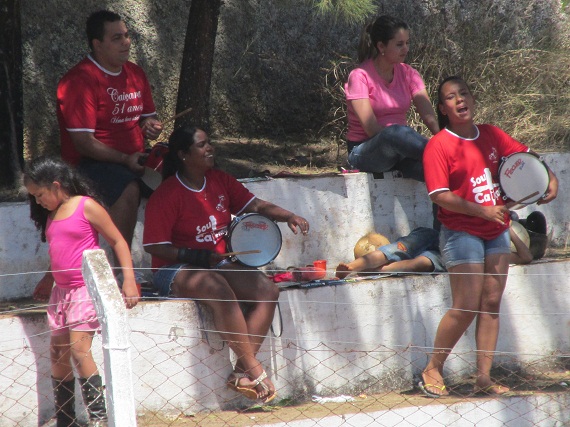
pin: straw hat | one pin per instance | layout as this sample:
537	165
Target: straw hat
369	243
522	234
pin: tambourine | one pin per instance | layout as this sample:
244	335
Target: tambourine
254	232
153	165
156	156
521	175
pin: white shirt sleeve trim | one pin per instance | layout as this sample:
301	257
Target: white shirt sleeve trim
245	206
80	130
157	243
438	190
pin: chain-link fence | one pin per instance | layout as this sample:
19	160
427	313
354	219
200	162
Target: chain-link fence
344	354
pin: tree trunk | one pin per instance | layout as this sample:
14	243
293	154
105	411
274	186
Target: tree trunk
11	94
197	62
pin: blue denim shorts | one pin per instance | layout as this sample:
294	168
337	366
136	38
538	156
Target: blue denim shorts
422	241
459	247
164	277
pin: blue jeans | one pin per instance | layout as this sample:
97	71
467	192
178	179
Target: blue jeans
395	147
460	247
421	241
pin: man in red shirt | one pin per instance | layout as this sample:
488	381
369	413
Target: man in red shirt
105	110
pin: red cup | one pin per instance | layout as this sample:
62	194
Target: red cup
320	263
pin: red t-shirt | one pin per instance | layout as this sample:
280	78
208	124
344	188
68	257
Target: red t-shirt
188	218
93	99
470	169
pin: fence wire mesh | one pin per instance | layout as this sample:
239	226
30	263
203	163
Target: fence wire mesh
181	367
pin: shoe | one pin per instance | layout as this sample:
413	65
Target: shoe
233	384
250	392
423	388
259	381
491	390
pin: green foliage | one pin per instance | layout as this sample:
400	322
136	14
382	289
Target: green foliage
351	11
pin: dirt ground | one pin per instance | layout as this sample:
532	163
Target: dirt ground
248	158
286	411
245	157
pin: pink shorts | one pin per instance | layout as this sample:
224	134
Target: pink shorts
71	309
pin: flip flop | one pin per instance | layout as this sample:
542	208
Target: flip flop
259	381
491	390
423	387
248	392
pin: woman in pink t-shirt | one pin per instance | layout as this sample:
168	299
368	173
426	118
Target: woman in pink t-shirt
379	93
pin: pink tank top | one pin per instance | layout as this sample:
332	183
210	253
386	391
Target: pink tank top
67	239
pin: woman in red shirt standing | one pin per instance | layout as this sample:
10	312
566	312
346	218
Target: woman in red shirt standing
461	166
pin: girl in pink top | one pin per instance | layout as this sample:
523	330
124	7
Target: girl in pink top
63	209
379	94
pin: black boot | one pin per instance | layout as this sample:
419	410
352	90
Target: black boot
64	393
94	398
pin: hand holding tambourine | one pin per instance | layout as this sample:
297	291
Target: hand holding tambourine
525	179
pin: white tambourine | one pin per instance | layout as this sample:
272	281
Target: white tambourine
521	175
254	232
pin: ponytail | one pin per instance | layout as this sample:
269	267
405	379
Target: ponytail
382	29
366	48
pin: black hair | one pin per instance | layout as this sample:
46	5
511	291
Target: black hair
43	172
383	29
180	140
95	25
442	119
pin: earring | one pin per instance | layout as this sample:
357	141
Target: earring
183	159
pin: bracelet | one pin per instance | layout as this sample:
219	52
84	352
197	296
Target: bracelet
198	257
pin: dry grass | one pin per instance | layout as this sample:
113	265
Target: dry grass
523	90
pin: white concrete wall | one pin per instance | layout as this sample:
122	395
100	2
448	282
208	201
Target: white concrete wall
335	339
340	209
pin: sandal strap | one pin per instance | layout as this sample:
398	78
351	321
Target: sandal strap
238	376
259	380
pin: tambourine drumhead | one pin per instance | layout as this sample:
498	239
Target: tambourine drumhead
254	232
153	165
522	174
151	178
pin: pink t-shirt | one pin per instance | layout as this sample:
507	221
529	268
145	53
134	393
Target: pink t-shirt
67	239
188	218
93	99
390	101
470	169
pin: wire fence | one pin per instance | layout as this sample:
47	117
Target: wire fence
330	358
